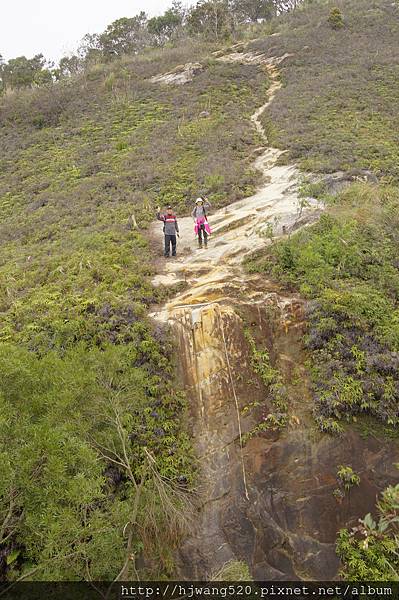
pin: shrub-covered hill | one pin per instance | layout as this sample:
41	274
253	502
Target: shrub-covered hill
87	386
79	159
338	110
338	107
94	461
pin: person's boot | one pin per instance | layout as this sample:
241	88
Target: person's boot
199	244
206	243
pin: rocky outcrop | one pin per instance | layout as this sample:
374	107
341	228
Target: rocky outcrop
336	182
270	504
180	75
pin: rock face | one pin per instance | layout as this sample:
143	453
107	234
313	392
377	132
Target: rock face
270	501
282	517
180	75
293	480
336	182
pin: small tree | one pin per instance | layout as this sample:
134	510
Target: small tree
165	27
335	18
89	51
22	72
69	65
251	10
124	36
211	18
43	77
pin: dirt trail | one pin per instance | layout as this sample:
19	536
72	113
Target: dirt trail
266	503
241	227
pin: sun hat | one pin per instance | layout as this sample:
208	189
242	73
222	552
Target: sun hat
198	200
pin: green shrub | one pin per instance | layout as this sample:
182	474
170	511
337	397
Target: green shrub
370	551
335	18
346	265
273	382
347	477
58	417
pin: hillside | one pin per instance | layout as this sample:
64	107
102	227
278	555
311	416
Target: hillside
336	116
102	436
348	262
78	354
337	107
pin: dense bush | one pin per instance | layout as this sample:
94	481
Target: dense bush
62	510
347	266
369	552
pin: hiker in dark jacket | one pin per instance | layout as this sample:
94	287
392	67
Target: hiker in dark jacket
170	229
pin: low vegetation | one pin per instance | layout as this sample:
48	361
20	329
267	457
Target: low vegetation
95	462
272	381
234	570
346	265
334	113
369	551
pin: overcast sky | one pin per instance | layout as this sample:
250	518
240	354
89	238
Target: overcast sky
54	27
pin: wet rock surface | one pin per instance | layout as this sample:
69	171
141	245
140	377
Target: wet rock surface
286	528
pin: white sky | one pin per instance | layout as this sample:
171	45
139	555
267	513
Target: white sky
54	27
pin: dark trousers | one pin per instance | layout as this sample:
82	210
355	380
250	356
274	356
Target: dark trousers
170	239
202	232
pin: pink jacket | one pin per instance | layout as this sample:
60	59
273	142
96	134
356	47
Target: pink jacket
202	221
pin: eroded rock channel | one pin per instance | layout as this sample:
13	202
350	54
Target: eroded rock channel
268	502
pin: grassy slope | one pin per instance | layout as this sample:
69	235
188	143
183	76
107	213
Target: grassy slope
67	190
338	109
82	368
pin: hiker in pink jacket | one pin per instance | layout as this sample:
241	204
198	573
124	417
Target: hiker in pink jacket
201	225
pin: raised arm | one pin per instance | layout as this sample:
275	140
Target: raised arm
159	216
